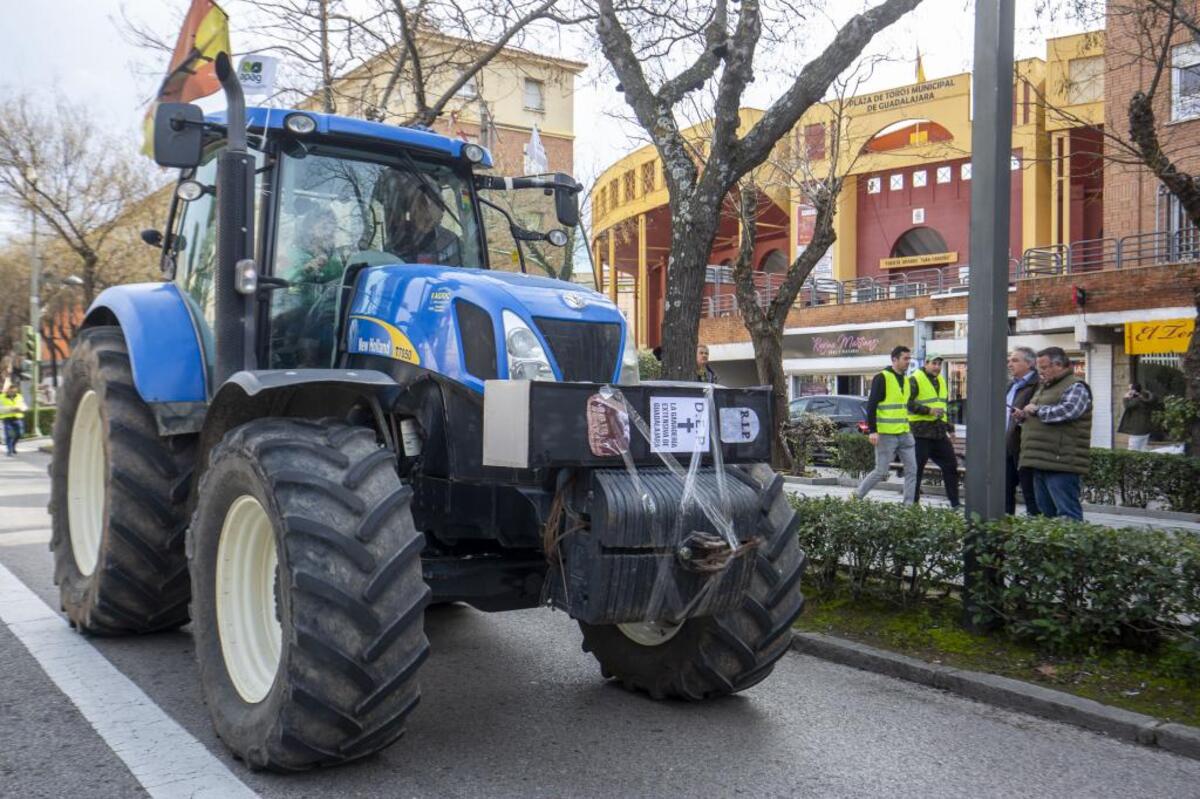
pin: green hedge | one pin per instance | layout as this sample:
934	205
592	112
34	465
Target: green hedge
1135	479
853	453
1069	586
45	421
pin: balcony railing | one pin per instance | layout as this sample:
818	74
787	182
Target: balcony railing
1090	255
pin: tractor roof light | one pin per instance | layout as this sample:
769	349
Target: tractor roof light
300	124
189	190
473	153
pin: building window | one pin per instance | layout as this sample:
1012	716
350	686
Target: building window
896	182
627	179
920	178
469	89
535	96
874	185
648	177
814	142
1014	164
612	193
1185	81
1085	80
600	203
943	174
965	171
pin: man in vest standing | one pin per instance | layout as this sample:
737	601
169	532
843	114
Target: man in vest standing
887	420
927	406
12	417
1056	435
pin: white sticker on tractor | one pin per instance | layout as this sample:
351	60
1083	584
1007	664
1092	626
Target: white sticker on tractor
738	425
678	424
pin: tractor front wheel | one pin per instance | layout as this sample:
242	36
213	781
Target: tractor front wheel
117	496
308	596
729	652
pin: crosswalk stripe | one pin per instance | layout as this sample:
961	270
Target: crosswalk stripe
23	537
161	755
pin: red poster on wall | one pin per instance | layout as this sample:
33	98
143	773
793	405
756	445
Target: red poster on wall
806	224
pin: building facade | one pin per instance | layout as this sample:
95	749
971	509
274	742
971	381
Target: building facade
1100	262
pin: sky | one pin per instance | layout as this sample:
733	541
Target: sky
75	48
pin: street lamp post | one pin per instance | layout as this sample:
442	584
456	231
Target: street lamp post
35	306
987	305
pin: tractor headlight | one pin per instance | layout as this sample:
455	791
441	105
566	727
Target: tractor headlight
527	358
630	373
473	153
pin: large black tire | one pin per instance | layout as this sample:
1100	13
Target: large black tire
139	580
723	654
348	593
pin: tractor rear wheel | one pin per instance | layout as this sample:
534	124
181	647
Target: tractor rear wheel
117	495
308	596
729	652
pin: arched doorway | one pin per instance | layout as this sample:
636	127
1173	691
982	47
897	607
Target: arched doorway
774	263
918	241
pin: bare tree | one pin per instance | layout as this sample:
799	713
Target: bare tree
640	40
817	177
77	182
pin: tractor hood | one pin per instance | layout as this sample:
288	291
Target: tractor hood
450	320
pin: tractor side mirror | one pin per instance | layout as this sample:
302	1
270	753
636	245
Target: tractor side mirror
566	204
178	135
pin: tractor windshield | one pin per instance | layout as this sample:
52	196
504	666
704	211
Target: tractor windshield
336	205
341	207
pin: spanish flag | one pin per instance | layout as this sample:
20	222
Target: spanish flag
920	67
191	73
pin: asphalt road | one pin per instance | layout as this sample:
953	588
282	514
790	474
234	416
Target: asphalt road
512	707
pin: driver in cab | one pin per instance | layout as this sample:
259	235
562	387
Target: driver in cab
413	222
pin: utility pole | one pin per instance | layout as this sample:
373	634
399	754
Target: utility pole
35	306
987	304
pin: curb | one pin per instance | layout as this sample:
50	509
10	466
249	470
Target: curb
1005	692
810	481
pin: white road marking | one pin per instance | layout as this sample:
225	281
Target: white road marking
162	756
23	537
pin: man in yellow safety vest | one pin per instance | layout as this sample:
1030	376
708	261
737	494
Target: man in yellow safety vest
12	416
887	420
927	407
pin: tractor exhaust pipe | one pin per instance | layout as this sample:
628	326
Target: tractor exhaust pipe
234	325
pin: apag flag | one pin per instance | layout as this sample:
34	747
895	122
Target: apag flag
191	73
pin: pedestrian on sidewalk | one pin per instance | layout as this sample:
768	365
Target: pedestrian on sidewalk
12	416
1021	366
1137	417
1056	435
704	372
887	421
931	429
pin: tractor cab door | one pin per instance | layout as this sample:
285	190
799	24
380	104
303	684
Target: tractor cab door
190	252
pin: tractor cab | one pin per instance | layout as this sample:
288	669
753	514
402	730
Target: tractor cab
332	196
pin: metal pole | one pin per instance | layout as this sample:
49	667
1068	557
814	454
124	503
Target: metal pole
35	320
987	305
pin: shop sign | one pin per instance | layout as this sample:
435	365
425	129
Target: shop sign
927	259
843	343
1162	336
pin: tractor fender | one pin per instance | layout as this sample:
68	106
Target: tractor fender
296	393
164	346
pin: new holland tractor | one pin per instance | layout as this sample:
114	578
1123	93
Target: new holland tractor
332	413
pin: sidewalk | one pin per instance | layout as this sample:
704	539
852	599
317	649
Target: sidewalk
1110	516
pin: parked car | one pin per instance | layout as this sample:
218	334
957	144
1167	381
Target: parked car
850	413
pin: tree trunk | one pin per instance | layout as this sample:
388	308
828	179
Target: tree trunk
691	243
768	359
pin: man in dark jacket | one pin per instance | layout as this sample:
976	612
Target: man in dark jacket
932	431
1020	390
1138	417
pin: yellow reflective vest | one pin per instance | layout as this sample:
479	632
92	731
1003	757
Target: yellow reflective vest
12	407
891	415
929	396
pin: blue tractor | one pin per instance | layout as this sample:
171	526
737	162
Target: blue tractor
332	413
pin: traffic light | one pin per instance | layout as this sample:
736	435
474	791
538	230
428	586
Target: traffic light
29	340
